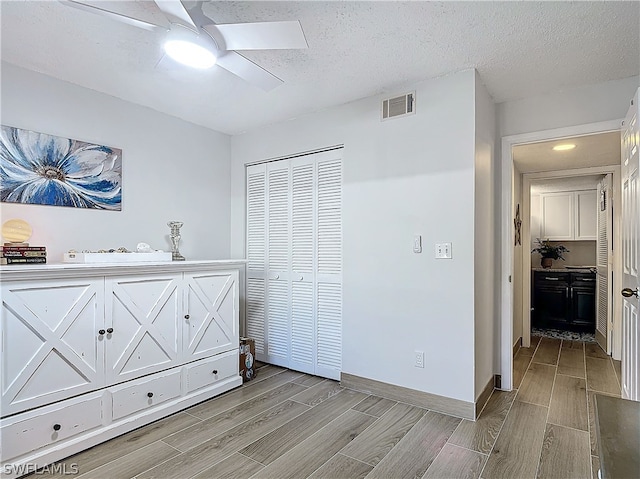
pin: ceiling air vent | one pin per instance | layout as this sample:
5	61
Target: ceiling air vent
399	106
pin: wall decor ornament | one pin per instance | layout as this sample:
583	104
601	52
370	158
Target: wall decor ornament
41	169
517	222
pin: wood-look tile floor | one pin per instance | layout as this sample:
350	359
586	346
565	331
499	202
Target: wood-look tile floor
286	424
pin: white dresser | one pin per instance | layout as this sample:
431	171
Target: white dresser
90	352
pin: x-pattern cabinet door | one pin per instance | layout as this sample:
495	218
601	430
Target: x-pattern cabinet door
144	335
50	343
211	302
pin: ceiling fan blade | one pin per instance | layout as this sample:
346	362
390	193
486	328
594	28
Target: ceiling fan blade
198	16
115	16
176	13
261	36
248	71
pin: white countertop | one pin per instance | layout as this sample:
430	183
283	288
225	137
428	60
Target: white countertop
575	269
75	270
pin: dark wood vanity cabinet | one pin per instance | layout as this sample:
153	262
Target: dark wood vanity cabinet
564	300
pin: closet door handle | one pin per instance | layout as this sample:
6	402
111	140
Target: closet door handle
101	332
109	330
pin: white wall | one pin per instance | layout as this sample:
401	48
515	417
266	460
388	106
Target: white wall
406	176
576	106
172	170
486	341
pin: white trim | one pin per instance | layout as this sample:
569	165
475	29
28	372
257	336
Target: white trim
506	236
291	156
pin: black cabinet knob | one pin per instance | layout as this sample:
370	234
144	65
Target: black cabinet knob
149	395
109	330
186	316
56	427
101	332
215	371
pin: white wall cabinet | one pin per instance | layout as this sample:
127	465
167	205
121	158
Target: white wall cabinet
294	252
569	215
116	347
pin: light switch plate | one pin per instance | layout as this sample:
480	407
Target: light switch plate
417	244
443	250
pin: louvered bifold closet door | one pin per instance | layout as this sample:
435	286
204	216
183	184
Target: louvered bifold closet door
278	338
294	252
303	233
329	265
603	249
255	313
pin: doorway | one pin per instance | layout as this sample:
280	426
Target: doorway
511	190
574	298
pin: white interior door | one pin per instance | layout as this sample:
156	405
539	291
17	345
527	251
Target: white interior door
630	248
603	264
294	252
255	313
329	270
277	338
303	264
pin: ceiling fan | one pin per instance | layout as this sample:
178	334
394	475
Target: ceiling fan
195	40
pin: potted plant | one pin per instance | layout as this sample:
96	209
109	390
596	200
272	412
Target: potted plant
549	252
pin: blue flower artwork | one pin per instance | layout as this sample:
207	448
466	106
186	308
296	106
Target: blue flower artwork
36	168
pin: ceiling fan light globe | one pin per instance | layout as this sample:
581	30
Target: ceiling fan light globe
190	54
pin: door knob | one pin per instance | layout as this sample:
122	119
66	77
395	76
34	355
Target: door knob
101	332
628	292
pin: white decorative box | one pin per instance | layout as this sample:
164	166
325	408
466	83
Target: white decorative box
117	257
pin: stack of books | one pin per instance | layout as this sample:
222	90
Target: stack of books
23	253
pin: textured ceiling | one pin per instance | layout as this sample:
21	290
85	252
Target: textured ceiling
356	49
602	149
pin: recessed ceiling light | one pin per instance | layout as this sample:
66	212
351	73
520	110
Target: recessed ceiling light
564	147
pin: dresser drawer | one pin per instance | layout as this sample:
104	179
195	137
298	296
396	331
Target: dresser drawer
132	397
208	371
36	429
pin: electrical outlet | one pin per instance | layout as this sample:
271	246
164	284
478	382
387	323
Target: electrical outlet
419	358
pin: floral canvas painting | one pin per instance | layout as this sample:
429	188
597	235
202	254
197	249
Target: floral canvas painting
36	168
